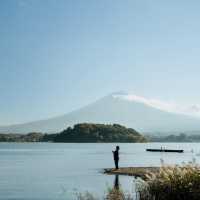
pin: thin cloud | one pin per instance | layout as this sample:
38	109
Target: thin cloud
193	110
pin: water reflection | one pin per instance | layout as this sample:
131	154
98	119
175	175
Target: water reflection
116	192
116	183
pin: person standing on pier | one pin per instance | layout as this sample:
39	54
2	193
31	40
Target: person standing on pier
116	157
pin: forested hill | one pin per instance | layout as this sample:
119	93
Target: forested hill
88	132
85	132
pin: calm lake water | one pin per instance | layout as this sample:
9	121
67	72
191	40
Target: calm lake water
48	171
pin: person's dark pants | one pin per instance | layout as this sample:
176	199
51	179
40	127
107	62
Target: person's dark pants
116	164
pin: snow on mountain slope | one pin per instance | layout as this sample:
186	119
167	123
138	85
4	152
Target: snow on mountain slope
130	110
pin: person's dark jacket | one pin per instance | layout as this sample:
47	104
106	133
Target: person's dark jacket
116	155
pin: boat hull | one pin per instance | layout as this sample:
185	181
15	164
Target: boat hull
166	150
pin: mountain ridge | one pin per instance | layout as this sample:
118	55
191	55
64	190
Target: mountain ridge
109	109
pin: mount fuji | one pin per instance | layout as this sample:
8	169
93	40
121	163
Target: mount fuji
144	115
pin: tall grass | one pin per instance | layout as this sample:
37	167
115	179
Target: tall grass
171	183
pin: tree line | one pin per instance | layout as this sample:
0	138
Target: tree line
83	132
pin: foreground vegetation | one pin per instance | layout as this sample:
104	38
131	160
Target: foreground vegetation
168	183
172	183
85	132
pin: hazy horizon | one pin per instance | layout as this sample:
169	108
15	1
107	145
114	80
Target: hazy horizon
57	56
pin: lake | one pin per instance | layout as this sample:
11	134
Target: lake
56	171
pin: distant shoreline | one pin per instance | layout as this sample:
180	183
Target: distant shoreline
82	133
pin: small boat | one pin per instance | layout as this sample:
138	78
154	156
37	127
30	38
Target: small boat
166	150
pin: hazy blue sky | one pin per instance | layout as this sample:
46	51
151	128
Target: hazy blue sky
56	56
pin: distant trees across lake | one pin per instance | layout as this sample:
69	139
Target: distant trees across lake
81	133
30	137
182	137
90	132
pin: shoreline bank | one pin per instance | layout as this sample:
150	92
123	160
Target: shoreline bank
131	171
